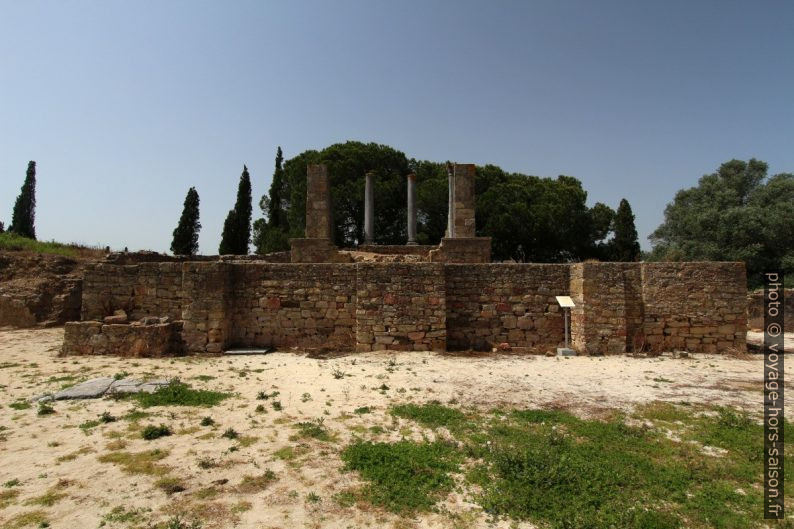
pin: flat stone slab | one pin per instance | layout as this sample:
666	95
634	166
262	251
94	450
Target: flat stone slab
247	351
90	389
95	388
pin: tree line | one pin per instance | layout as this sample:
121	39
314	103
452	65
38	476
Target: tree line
738	213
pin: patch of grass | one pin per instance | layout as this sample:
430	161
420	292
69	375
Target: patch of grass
338	373
120	375
136	415
45	409
315	429
139	462
362	410
264	395
19	405
247	440
204	378
170	485
230	433
405	476
48	499
207	421
7	497
106	418
74	455
277	405
6	365
180	394
11	483
86	426
16	243
432	414
152	432
28	519
254	484
120	515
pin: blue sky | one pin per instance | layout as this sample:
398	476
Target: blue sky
125	105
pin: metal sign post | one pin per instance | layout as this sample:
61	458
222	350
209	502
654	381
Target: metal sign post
566	303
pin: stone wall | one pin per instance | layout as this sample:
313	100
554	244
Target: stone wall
755	310
306	305
465	204
695	306
134	340
400	307
460	250
515	304
145	289
397	249
700	307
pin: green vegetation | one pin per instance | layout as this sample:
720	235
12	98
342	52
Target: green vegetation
432	414
556	470
254	484
315	429
734	214
186	234
14	243
138	462
153	432
624	246
270	235
237	226
23	218
207	421
230	433
19	405
529	218
404	476
180	394
45	409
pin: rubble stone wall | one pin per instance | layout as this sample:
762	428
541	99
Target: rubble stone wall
700	307
400	307
145	289
301	305
515	304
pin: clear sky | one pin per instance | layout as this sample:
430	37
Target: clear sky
125	105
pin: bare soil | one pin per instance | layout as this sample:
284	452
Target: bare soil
61	479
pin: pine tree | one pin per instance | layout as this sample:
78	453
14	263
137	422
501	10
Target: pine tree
186	233
625	246
237	227
2	227
24	216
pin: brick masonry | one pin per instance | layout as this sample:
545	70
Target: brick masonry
700	307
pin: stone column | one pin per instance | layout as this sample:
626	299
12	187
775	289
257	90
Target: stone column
463	204
411	209
318	203
451	207
369	212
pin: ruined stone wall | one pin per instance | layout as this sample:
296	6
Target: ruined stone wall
301	305
755	310
400	307
505	303
700	307
397	249
135	340
695	306
145	289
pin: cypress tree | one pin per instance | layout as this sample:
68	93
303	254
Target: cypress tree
275	211
237	227
625	246
186	233
24	216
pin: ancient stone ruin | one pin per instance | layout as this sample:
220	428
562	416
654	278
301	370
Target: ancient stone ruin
449	297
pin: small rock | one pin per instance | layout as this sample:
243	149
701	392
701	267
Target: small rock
504	346
119	316
150	320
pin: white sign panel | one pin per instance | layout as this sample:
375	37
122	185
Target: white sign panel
565	302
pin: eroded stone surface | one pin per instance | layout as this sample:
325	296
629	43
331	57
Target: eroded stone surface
90	389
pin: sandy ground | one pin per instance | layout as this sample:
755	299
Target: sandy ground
51	453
